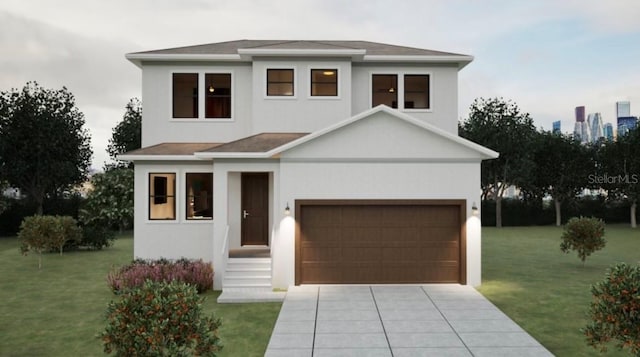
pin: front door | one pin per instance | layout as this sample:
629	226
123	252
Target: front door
255	209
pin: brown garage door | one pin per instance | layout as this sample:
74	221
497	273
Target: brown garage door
350	242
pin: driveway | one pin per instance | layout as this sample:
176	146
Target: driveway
395	320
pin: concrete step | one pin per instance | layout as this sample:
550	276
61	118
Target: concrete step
242	273
247	273
245	284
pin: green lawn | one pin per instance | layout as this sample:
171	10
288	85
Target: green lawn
58	311
545	291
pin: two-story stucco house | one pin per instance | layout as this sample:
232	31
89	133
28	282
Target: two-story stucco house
335	161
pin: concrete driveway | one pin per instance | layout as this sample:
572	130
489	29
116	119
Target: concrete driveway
400	320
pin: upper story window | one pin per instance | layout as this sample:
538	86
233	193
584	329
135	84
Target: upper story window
218	95
416	91
384	90
185	95
280	82
324	82
406	91
162	196
197	93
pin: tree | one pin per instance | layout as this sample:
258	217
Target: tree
110	203
500	126
128	133
619	170
562	168
44	147
584	235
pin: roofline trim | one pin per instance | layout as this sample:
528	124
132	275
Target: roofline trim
488	153
157	158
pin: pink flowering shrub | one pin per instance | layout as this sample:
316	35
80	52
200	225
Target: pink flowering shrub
193	272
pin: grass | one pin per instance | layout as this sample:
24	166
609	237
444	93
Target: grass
59	310
546	291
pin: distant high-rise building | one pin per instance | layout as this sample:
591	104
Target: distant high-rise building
608	131
625	124
581	132
623	109
595	127
556	127
580	114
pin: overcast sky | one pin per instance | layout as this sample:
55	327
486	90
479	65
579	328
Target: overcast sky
547	56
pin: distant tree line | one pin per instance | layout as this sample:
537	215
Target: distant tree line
551	169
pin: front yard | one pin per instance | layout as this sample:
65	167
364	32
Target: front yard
545	291
58	311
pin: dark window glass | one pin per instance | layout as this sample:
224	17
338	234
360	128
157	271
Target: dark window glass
384	90
162	201
199	195
280	82
217	91
416	91
185	95
324	82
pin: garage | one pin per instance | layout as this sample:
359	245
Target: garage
380	241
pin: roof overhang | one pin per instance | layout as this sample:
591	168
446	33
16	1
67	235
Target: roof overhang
249	53
461	60
138	58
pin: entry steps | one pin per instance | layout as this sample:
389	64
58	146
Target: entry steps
248	280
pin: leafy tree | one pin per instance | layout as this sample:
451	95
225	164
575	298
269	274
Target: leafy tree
110	203
47	233
44	147
584	235
500	126
562	168
128	133
619	170
614	314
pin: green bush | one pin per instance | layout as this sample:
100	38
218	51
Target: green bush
584	235
96	237
615	311
160	319
47	233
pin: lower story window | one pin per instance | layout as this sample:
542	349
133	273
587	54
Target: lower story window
162	196
199	193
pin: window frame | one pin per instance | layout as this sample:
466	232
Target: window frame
294	83
330	67
404	92
401	88
151	196
187	196
202	72
195	96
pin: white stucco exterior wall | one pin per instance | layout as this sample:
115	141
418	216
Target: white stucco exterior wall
444	91
361	180
172	239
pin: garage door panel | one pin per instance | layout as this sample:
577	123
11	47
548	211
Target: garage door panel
360	234
322	216
321	254
361	254
405	254
407	243
443	234
360	273
319	234
360	215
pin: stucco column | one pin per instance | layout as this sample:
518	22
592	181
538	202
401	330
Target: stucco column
220	221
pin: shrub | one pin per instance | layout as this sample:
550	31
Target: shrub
615	311
193	272
47	233
96	237
160	319
584	235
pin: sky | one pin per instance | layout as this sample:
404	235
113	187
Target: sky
548	56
